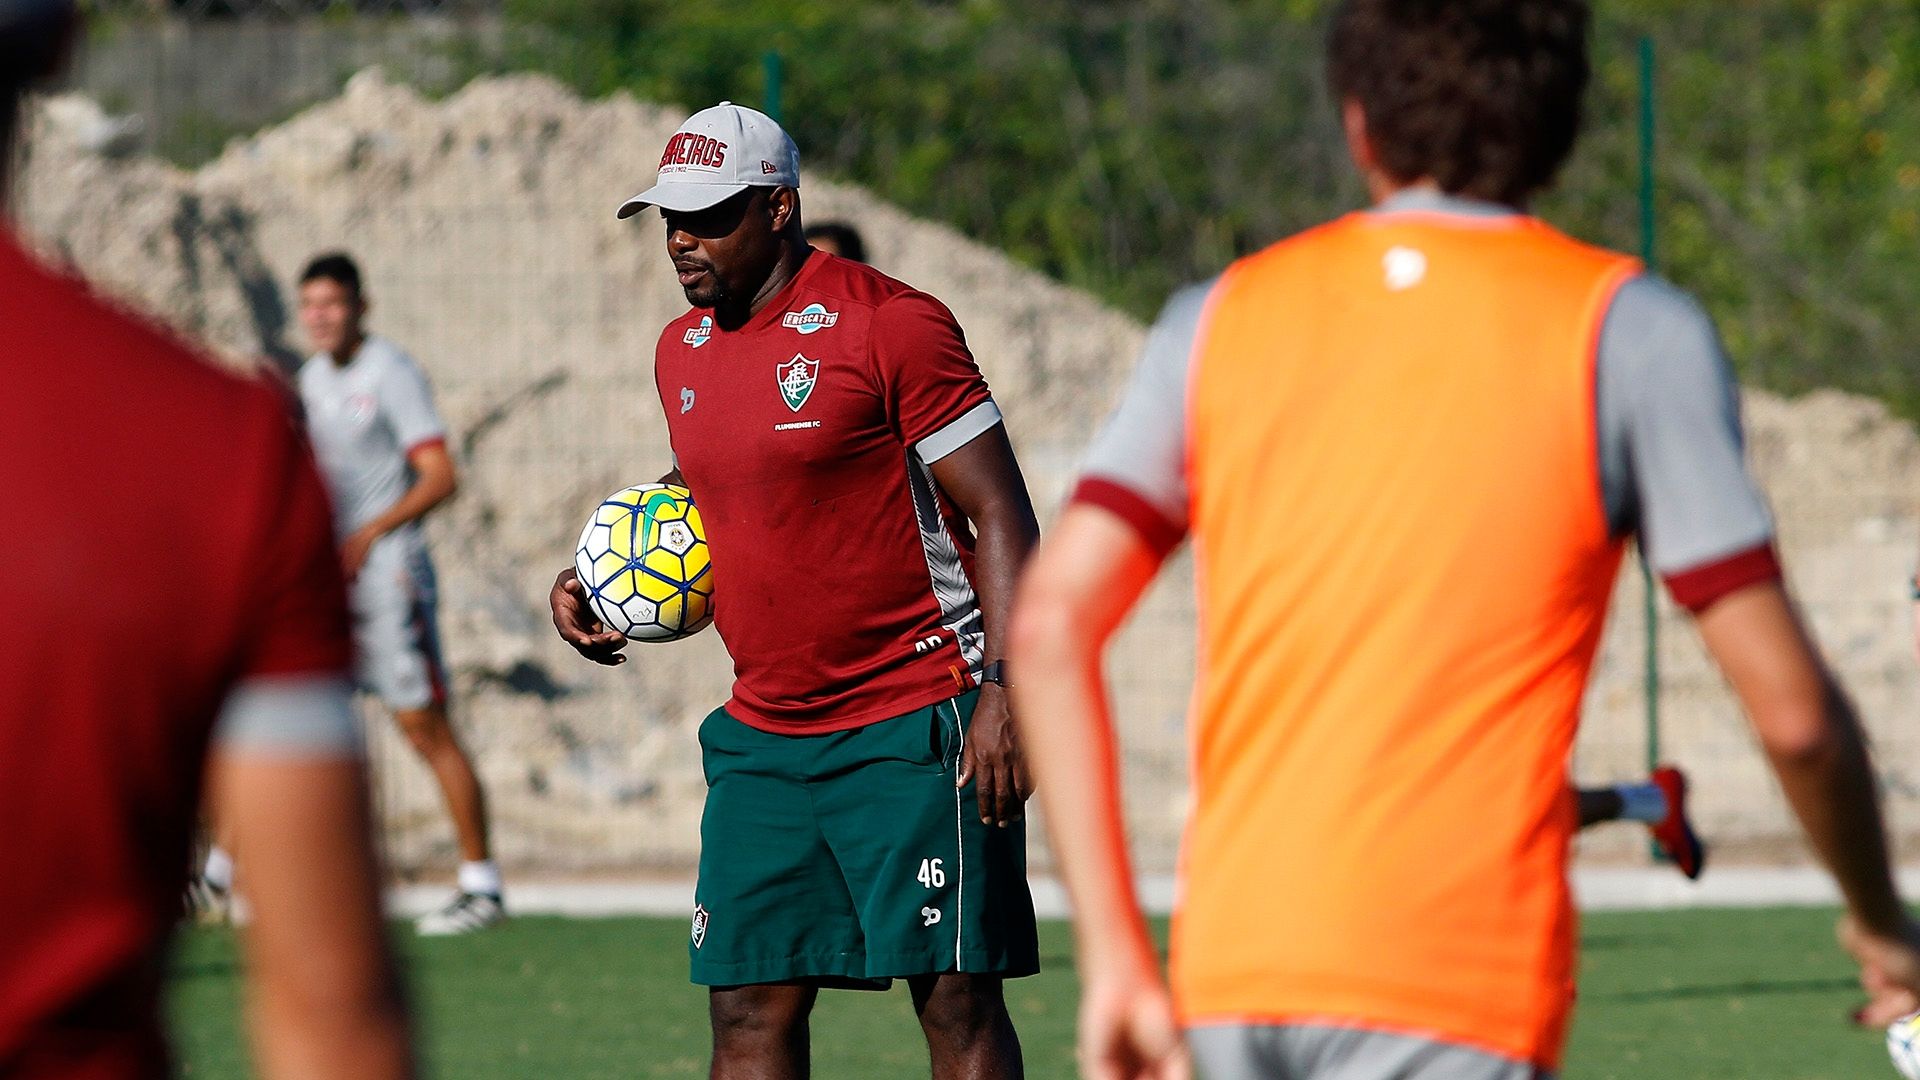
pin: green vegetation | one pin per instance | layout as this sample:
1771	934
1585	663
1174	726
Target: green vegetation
1705	995
1126	148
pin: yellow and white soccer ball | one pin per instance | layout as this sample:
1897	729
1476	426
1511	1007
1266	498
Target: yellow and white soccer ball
643	558
1903	1043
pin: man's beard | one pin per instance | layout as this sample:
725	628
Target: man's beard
709	294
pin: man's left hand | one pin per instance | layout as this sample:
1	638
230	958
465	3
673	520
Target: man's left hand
993	760
353	551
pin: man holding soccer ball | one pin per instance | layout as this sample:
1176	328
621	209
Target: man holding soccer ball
866	519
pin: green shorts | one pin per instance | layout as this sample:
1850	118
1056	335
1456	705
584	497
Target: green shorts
850	858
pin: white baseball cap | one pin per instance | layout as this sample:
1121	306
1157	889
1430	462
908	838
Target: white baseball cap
717	154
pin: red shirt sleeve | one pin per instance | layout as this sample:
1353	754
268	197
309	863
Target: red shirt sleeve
921	366
300	602
1698	588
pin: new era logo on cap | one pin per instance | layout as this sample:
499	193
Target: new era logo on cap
716	154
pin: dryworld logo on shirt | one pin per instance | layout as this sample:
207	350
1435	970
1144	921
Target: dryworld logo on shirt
797	378
698	335
810	319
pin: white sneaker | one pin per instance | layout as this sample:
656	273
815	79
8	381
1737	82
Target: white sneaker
466	913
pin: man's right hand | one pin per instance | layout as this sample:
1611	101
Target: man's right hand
1916	627
1889	970
578	627
1128	1030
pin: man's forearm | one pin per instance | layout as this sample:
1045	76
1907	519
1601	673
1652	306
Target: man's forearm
1066	725
1006	536
1832	789
298	1042
421	498
1812	738
1089	574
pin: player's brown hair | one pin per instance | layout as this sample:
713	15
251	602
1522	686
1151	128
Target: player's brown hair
1481	96
337	267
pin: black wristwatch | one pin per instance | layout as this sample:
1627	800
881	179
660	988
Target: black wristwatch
996	673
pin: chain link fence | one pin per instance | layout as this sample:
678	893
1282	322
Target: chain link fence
483	216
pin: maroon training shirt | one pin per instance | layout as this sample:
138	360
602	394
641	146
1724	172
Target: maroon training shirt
163	542
842	575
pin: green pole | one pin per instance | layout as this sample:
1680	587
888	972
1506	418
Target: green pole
1649	255
775	71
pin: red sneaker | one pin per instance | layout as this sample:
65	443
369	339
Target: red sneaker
1675	834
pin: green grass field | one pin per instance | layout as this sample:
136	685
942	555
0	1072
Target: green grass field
1699	995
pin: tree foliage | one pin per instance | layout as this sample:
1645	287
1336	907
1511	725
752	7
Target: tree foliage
1127	148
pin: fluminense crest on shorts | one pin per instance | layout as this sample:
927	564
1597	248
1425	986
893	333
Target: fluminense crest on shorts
797	378
700	918
810	319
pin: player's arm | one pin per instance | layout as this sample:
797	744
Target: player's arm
939	404
407	402
573	617
1913	588
1128	512
1087	576
1813	739
434	482
290	788
325	999
983	479
1673	464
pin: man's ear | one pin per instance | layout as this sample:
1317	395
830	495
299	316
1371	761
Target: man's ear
782	204
1353	120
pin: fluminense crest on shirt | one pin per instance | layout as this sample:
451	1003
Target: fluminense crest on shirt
797	378
810	319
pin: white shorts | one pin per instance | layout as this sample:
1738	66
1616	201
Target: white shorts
396	633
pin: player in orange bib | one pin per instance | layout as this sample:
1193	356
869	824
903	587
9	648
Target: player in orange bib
1408	447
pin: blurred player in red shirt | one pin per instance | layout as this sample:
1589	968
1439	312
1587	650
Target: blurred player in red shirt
173	607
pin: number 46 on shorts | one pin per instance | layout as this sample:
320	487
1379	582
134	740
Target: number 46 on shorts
931	874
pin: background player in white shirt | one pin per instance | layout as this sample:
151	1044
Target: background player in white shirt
382	450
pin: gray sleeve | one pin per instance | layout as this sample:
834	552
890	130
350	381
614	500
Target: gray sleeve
972	424
407	401
1672	456
296	716
1143	448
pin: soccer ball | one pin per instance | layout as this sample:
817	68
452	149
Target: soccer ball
643	558
1903	1043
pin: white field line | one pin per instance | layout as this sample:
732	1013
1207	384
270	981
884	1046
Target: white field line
1626	889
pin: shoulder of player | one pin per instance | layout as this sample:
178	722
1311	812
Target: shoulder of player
144	358
682	322
857	285
1648	296
382	355
678	334
1306	242
1651	322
